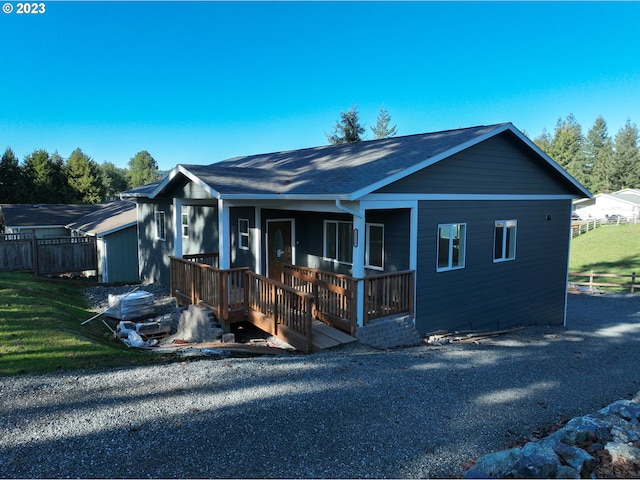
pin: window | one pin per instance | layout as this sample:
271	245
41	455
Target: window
185	225
375	246
160	228
504	244
243	233
451	246
338	241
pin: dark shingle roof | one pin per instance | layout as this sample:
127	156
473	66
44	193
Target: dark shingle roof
345	171
332	169
106	217
50	214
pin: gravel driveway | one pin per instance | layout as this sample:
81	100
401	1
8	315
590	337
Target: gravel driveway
352	412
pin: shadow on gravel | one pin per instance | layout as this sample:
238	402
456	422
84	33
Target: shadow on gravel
349	413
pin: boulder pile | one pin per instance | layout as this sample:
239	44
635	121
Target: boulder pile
605	444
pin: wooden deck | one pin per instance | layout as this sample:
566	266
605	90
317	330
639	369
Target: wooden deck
325	336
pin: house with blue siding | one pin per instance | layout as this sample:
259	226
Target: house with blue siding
480	216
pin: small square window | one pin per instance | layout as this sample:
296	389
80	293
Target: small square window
451	246
504	244
243	233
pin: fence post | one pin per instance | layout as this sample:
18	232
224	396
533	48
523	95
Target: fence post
633	281
591	275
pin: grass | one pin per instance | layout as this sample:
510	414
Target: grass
608	249
40	329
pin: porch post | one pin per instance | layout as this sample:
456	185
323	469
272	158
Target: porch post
224	235
177	227
359	227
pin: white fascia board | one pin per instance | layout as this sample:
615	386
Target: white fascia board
391	197
428	162
180	169
294	197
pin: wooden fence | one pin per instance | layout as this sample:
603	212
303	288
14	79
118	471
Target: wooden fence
47	256
632	284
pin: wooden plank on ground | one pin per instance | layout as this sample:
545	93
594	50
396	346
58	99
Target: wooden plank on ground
325	336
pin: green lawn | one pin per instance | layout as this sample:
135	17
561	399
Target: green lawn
607	249
40	329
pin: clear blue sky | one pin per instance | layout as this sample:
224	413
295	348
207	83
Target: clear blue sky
204	81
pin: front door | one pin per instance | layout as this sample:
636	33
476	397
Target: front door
279	251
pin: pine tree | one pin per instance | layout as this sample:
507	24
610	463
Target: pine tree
566	149
598	151
83	176
114	180
382	130
143	169
348	129
11	179
626	157
543	141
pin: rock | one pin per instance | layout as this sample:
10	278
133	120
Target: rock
496	465
623	452
566	452
576	458
626	409
537	461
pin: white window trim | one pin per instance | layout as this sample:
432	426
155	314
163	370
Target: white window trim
185	225
242	234
368	247
450	267
505	229
157	216
324	241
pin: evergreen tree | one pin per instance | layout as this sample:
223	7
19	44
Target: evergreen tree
83	176
143	169
114	180
348	129
566	149
626	158
382	130
11	179
598	151
543	142
39	174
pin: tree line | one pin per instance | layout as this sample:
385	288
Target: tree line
599	162
48	178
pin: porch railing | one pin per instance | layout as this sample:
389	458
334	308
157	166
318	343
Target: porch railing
222	291
280	310
211	259
388	294
334	295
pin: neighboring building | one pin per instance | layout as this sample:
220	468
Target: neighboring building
114	224
481	215
43	220
624	203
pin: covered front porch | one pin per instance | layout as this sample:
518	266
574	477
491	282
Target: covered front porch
308	308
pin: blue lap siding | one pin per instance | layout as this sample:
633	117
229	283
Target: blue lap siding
529	290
